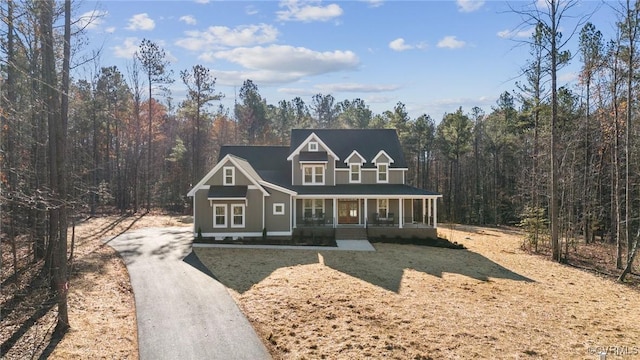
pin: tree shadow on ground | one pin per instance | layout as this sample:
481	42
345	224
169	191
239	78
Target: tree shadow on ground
240	269
385	268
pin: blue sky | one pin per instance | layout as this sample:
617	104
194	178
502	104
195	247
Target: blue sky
434	56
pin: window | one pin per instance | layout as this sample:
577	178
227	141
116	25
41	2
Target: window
313	146
354	171
383	207
383	173
219	216
313	174
313	208
278	209
229	173
237	215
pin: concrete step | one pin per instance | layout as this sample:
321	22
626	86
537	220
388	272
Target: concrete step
351	234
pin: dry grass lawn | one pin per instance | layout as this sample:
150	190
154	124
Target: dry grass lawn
411	302
101	304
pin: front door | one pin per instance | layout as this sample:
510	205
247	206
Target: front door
348	212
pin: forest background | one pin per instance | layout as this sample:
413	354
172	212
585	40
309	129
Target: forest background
560	162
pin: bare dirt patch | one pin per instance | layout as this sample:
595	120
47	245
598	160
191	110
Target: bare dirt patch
414	302
101	303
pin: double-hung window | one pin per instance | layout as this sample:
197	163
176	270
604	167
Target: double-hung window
229	175
354	173
313	208
237	215
219	215
313	174
383	173
383	207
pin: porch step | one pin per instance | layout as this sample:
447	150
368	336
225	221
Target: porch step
351	234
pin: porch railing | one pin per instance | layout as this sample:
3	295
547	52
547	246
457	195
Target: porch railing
315	221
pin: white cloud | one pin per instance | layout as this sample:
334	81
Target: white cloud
141	22
281	64
400	45
305	11
217	36
203	1
251	10
356	87
451	42
513	34
375	3
188	19
127	49
469	5
110	29
91	19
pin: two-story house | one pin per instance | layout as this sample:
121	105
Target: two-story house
325	178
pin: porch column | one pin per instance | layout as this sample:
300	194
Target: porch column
424	211
335	212
366	211
293	211
401	207
429	205
435	213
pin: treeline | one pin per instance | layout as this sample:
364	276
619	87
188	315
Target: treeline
561	162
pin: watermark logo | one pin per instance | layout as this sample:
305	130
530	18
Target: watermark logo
614	351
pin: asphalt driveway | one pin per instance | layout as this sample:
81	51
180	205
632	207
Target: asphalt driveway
183	312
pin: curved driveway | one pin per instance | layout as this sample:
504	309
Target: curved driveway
183	312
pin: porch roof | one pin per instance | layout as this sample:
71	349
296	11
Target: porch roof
369	190
227	192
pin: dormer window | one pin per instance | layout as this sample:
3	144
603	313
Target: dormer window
354	173
313	146
383	173
229	176
313	174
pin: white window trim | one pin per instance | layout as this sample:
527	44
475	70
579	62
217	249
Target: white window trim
351	172
313	174
232	215
385	172
313	146
378	207
219	206
233	176
275	209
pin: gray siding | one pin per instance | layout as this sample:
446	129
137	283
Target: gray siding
216	179
277	222
328	175
253	213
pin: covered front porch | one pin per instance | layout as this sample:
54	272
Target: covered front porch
401	212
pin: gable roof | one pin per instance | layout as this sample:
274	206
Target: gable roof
241	164
311	136
367	142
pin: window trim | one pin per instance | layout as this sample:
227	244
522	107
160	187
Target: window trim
351	173
224	215
386	173
313	146
233	176
275	209
314	174
233	215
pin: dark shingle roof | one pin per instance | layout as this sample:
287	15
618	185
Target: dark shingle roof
270	162
363	189
313	156
219	192
368	143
